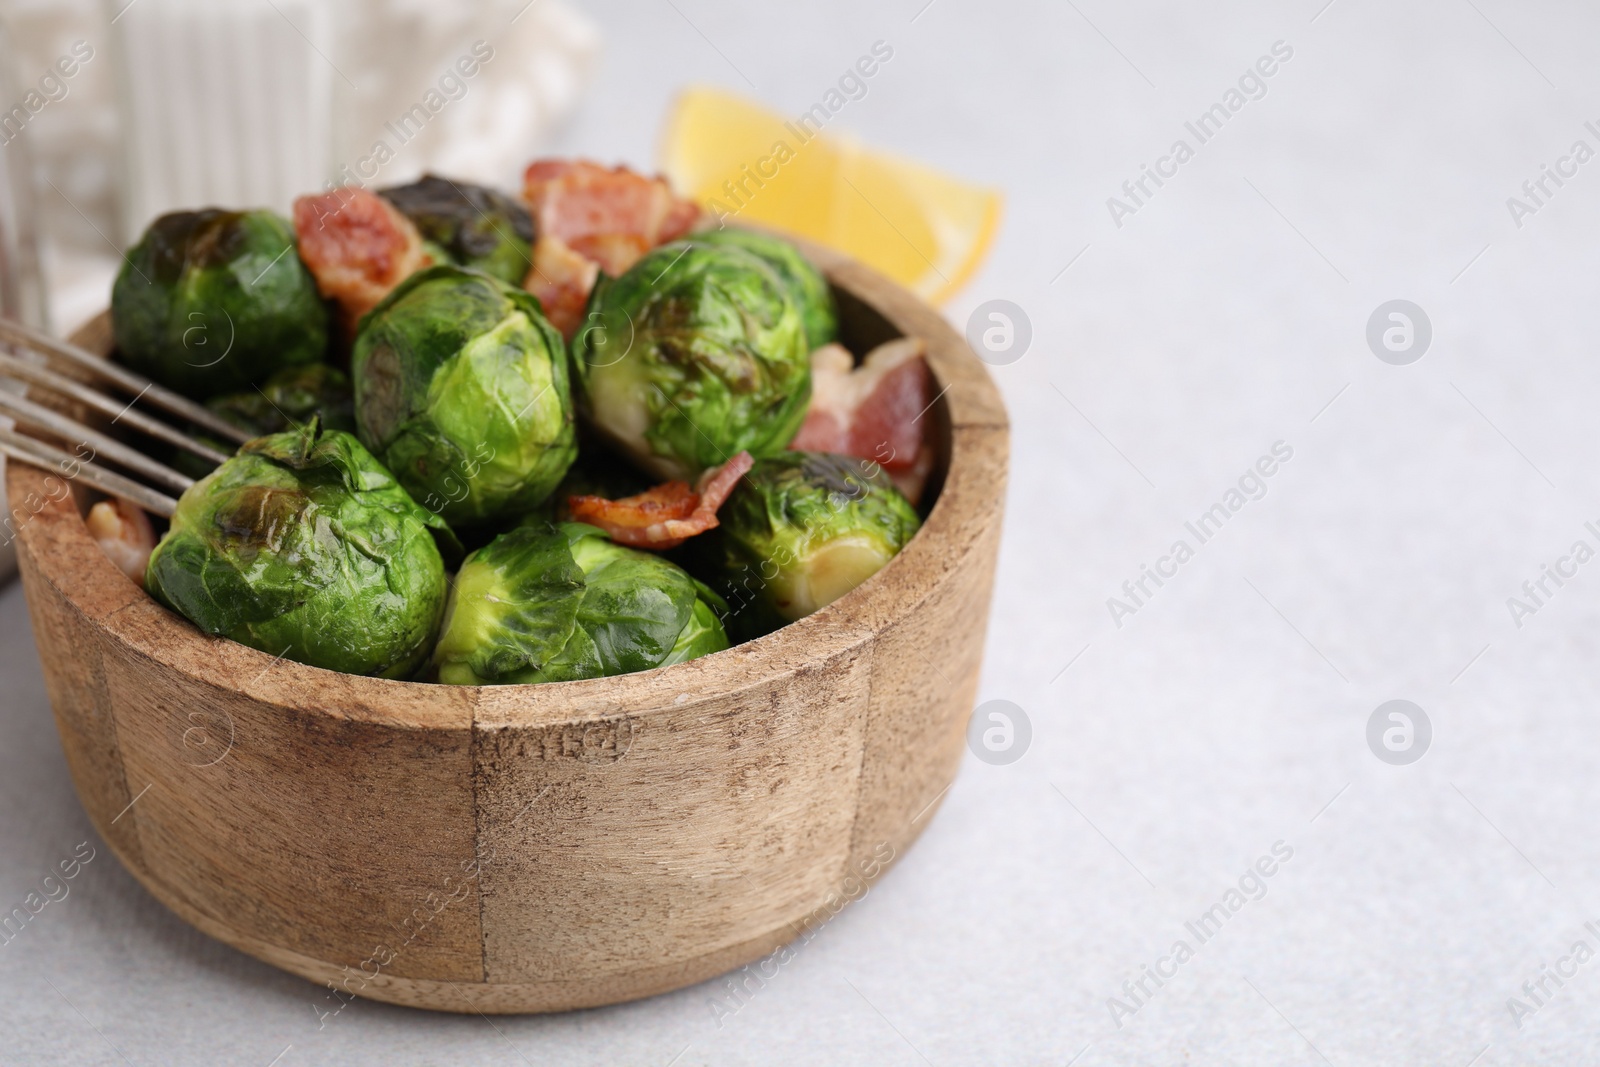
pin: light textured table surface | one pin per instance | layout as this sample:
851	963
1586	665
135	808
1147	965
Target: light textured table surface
1229	712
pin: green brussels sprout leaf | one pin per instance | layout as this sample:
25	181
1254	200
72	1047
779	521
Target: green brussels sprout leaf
213	301
705	633
284	401
462	390
694	354
635	604
543	603
523	591
806	285
290	398
303	546
469	225
799	531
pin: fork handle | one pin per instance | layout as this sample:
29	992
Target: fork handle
36	453
57	424
137	384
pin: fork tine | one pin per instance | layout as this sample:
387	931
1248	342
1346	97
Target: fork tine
36	453
53	422
137	384
48	379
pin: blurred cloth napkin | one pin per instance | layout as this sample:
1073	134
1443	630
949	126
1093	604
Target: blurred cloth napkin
249	103
253	102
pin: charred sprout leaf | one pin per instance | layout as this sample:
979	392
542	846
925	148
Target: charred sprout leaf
284	401
213	301
799	532
694	354
549	603
469	225
462	390
289	398
303	546
806	285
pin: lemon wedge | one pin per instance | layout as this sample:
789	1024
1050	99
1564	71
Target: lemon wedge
744	163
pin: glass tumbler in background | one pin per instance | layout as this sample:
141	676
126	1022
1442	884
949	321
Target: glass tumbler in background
250	103
222	102
21	285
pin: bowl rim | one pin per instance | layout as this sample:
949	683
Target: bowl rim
56	541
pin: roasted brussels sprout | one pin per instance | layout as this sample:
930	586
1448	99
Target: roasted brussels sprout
471	225
806	285
287	399
303	546
462	390
214	301
800	531
694	354
547	603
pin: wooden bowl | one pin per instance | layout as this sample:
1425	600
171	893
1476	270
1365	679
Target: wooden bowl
531	848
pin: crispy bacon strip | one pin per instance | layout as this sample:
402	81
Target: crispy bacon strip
561	278
124	534
827	424
681	219
614	252
357	246
873	411
605	217
576	198
667	515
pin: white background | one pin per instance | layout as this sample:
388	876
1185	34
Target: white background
1227	714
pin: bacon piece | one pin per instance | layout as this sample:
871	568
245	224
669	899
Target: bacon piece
614	252
561	278
873	411
827	423
592	218
124	534
682	217
577	198
667	515
357	246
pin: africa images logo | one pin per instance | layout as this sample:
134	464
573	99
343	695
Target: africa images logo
1251	887
1252	85
1252	485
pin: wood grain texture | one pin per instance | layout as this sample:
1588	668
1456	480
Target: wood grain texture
532	848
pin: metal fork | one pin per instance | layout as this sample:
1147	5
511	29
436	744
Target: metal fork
37	417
